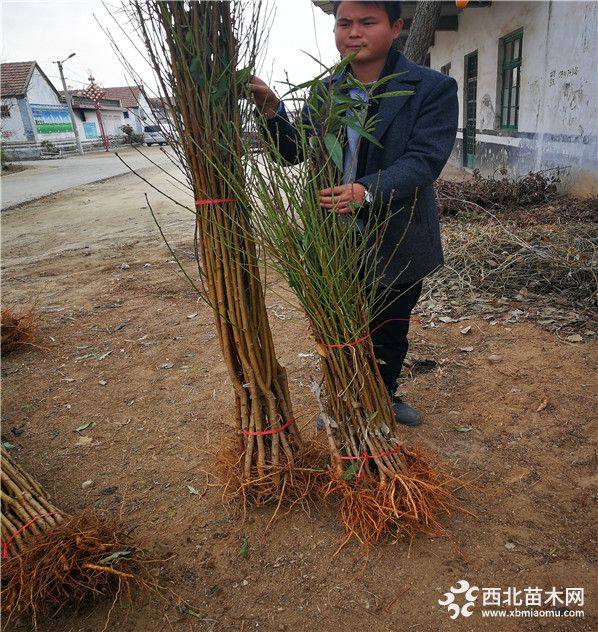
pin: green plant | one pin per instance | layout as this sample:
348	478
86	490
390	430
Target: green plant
330	262
49	146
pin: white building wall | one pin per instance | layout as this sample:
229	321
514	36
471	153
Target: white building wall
39	92
12	128
557	116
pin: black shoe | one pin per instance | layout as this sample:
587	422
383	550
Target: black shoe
404	414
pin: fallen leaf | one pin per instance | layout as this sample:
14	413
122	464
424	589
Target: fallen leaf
191	316
114	557
192	489
463	428
84	441
87	424
244	547
494	358
168	365
466	330
466	349
543	405
574	338
7	445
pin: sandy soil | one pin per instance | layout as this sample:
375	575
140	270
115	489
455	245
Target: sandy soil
525	397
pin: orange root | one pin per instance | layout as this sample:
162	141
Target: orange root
288	484
17	329
83	559
410	503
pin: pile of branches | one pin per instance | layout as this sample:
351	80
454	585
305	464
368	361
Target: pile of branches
502	259
498	193
330	261
526	201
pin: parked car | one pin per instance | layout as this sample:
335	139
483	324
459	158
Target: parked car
152	135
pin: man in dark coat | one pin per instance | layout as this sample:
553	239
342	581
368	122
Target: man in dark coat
417	133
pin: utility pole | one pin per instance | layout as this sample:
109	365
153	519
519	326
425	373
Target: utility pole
69	102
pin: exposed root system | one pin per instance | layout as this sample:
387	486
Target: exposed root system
82	559
291	483
17	329
407	504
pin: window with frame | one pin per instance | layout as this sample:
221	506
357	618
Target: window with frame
511	56
446	69
5	111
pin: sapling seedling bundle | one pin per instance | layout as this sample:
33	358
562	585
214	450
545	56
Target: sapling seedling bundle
331	262
202	54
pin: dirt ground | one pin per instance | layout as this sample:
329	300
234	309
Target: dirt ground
125	345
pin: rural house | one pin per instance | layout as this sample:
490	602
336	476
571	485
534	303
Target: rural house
33	111
527	85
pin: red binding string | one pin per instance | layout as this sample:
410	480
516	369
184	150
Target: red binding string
263	433
206	201
366	457
6	544
339	345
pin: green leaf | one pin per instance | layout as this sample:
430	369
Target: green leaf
362	131
244	547
7	445
463	428
87	424
395	93
243	75
114	557
193	613
386	79
335	151
372	415
192	489
350	472
195	71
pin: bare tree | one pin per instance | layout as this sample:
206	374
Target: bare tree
421	33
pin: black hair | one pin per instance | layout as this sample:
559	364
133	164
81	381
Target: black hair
392	8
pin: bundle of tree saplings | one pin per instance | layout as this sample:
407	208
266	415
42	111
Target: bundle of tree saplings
330	263
51	560
196	50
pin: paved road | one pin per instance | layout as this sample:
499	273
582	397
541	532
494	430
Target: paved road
44	177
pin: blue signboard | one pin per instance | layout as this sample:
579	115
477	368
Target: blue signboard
91	130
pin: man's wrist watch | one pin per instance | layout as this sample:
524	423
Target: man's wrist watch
368	198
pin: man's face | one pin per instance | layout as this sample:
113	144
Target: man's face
366	26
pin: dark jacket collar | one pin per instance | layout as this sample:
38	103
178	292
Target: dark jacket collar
396	62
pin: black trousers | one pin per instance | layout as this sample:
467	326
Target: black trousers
390	340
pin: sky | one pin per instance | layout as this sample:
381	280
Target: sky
46	31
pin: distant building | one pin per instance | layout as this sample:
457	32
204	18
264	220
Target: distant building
33	111
137	110
527	85
31	106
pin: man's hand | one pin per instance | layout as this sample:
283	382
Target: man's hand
343	198
265	99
